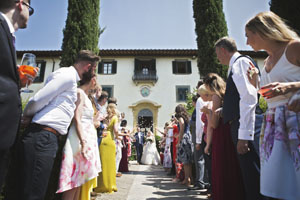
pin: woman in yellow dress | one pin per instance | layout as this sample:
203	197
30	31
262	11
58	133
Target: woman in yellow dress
107	178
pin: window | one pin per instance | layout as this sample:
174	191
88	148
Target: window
181	93
107	67
42	66
145	71
182	67
109	89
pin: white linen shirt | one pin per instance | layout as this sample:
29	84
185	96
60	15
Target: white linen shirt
199	123
54	104
248	96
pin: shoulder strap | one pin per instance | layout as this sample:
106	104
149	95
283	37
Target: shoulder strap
251	59
258	110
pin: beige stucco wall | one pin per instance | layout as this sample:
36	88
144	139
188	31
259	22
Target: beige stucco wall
163	92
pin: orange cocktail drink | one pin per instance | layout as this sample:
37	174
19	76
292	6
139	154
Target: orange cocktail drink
27	70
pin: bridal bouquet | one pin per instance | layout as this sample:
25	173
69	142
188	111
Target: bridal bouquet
149	139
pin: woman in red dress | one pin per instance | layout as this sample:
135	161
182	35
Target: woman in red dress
178	166
226	175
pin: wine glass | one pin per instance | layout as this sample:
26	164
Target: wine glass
28	70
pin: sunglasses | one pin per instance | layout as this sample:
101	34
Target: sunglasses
30	9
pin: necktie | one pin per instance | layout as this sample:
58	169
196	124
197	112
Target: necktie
14	40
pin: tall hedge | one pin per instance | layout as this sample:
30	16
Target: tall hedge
210	26
82	29
288	10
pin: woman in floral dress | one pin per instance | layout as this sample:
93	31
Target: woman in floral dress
81	160
280	139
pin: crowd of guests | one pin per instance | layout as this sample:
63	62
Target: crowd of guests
238	152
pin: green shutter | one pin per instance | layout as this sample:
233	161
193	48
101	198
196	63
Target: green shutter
114	67
174	67
100	68
189	67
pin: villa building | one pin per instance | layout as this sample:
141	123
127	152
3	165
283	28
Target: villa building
148	84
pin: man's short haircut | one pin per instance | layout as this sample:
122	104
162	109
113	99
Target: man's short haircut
226	43
6	4
104	95
112	100
87	55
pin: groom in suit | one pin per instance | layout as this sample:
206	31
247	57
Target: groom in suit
139	143
14	15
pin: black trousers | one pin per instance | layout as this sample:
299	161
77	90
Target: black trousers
4	159
249	163
36	152
139	152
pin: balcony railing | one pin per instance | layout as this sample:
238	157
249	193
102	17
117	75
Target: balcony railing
150	76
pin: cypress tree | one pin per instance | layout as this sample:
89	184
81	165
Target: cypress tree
210	26
82	29
289	10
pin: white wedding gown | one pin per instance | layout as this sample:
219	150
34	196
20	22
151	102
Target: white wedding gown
150	154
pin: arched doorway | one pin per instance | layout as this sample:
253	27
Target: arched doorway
146	109
145	119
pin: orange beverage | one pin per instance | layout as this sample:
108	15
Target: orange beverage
26	69
29	70
263	91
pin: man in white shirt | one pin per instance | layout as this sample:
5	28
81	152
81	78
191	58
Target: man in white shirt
240	102
14	15
51	110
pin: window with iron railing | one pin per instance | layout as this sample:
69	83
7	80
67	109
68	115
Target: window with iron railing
145	70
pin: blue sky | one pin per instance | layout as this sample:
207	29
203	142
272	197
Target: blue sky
135	24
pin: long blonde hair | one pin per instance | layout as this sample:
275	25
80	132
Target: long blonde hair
111	111
270	26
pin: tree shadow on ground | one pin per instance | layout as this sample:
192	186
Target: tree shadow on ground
167	189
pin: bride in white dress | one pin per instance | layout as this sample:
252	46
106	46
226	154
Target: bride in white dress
150	154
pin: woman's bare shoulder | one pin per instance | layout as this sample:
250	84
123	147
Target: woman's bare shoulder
292	52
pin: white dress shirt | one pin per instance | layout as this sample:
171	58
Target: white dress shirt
103	110
199	123
54	104
248	96
10	26
140	137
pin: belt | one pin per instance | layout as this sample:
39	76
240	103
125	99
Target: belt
46	128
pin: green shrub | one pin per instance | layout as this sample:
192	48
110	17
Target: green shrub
263	104
157	139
